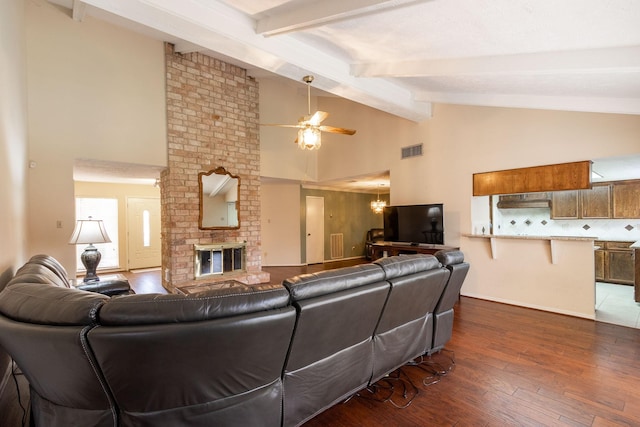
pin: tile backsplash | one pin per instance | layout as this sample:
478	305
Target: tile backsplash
538	222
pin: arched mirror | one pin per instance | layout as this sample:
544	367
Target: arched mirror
219	200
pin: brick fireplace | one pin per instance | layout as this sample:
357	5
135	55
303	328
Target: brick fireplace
212	121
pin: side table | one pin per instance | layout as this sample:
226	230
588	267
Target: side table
109	284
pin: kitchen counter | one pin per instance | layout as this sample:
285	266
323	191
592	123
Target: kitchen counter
493	238
528	237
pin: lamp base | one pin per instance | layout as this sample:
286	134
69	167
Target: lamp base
90	259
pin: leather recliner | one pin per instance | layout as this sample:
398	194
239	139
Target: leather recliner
331	353
374	235
405	328
43	327
207	359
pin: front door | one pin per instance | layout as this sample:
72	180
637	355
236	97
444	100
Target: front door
315	229
143	225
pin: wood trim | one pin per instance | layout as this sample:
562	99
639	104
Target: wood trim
558	177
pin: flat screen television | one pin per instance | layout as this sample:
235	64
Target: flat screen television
414	224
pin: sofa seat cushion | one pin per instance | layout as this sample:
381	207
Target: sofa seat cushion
144	309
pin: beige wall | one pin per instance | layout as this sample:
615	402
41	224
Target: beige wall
121	192
279	156
95	91
461	140
98	91
280	217
13	149
13	137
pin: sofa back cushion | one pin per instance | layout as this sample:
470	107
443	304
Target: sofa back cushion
405	265
44	304
306	286
52	264
147	309
38	273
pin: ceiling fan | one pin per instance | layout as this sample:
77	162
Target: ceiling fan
309	126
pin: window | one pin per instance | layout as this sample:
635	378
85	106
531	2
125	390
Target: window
107	211
146	229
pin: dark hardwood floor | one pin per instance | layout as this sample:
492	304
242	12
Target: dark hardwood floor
514	366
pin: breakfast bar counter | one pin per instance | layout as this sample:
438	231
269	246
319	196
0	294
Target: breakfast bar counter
494	238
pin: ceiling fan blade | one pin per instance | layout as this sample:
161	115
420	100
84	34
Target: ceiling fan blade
282	126
317	117
332	129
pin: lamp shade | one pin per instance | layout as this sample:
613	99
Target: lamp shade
89	231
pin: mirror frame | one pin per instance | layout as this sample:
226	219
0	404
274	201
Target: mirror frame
218	171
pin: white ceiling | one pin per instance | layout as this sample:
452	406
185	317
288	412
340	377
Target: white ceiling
400	56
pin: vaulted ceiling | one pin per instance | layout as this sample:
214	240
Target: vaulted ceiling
400	56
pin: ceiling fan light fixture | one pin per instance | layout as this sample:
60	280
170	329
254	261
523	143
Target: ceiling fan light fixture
309	138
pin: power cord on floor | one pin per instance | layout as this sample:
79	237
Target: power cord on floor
14	373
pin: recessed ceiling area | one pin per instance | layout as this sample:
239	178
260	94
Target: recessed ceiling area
90	170
616	168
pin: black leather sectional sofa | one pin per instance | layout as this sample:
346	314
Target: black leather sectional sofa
265	355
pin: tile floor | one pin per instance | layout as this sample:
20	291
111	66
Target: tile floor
615	304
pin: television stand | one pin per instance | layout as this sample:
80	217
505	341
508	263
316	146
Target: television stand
385	249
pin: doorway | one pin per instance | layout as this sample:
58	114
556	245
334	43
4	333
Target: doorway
143	226
315	229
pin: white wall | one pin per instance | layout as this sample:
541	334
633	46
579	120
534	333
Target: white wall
13	138
95	91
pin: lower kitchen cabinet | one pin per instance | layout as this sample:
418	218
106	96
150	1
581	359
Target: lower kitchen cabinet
615	262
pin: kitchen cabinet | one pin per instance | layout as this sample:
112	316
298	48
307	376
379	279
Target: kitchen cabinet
599	261
575	204
564	204
524	200
596	203
626	199
615	262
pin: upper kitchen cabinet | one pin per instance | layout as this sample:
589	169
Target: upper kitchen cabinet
526	200
574	204
596	203
564	204
626	199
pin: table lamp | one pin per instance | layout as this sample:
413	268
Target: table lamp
90	231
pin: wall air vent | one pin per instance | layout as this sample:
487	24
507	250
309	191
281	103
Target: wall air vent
412	151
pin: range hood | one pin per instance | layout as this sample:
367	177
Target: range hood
525	201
